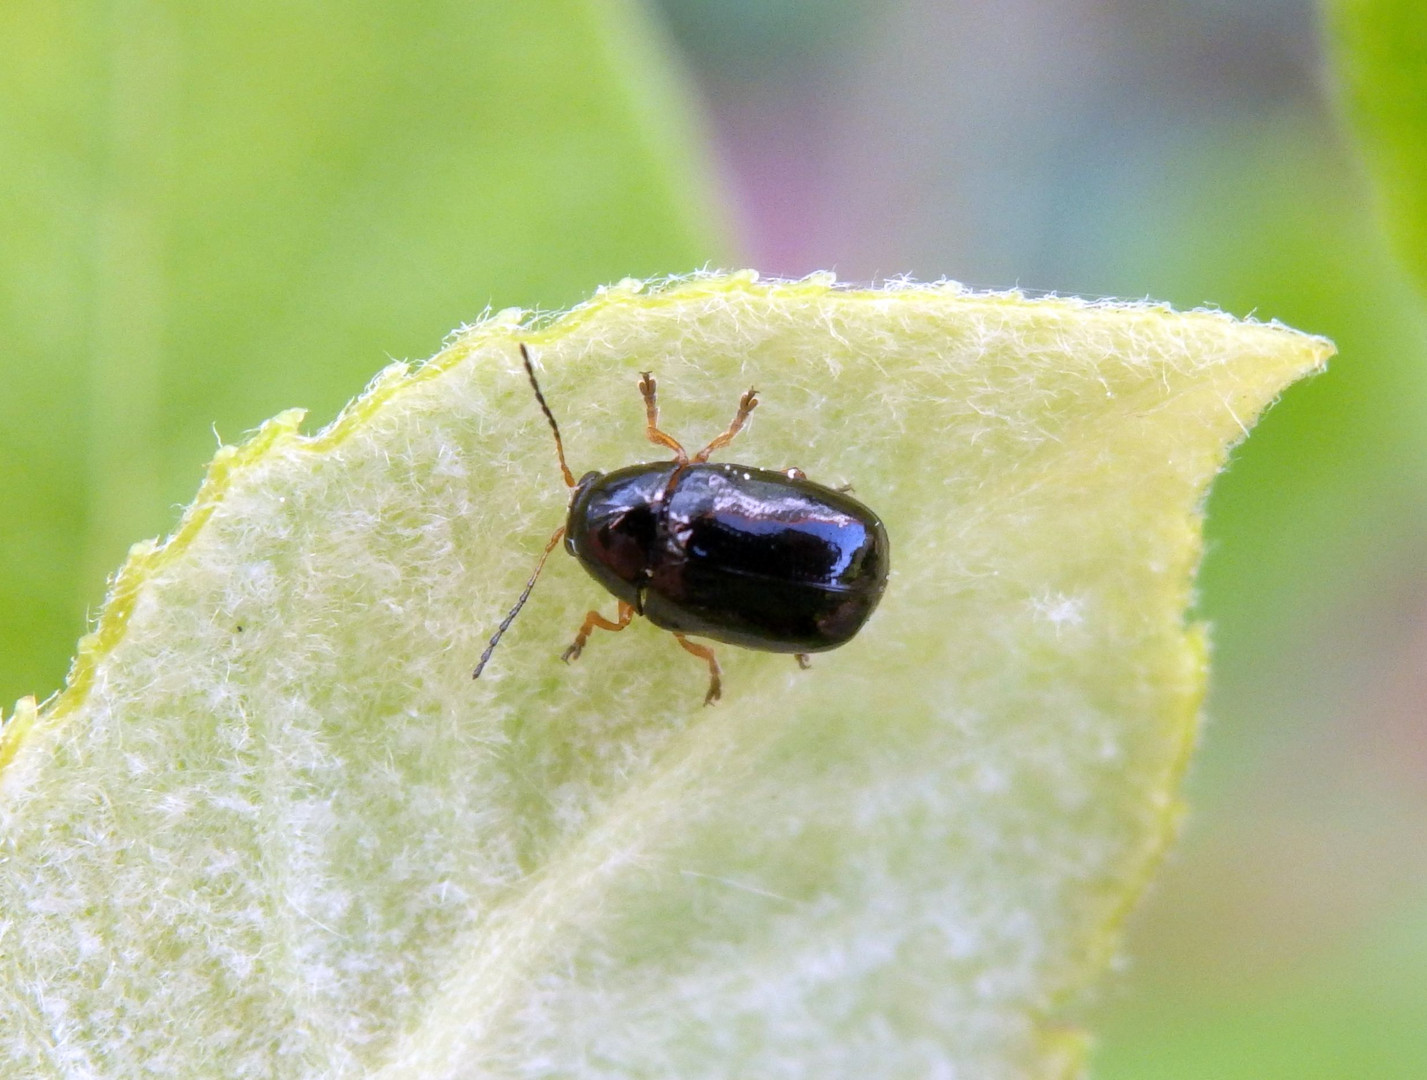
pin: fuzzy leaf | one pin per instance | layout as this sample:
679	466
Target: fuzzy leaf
273	828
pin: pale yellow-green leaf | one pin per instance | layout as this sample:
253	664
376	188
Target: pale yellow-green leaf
274	829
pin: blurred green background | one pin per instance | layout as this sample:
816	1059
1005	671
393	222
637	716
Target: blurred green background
211	213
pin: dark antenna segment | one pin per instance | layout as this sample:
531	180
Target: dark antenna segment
559	533
524	596
559	446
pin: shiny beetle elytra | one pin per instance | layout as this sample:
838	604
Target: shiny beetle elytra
765	560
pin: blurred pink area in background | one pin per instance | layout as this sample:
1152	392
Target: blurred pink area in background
1187	152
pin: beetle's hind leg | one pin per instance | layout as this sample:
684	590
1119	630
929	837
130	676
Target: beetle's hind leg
649	389
703	652
746	404
595	619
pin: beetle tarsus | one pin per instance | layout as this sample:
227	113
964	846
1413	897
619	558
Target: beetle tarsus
703	652
594	619
746	404
804	660
650	390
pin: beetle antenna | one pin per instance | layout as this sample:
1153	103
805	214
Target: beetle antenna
559	446
525	595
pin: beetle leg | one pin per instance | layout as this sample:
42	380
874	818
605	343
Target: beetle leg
648	388
703	652
746	404
804	660
595	619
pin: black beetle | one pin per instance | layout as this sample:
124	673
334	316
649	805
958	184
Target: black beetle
765	560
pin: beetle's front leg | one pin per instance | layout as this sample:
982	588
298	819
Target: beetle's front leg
648	389
595	619
746	404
